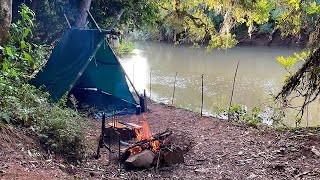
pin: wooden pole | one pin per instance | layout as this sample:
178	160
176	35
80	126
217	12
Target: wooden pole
234	81
201	94
94	21
174	87
133	74
65	16
307	116
150	83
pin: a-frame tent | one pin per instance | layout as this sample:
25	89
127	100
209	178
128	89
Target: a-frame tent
83	64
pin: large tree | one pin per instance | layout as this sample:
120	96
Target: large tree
84	6
5	20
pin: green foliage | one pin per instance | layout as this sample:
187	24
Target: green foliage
124	48
137	13
240	113
223	41
59	128
49	22
266	28
20	56
289	62
62	132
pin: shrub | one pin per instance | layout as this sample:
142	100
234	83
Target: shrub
124	48
59	128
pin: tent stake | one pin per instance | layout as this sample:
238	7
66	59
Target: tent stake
174	87
234	81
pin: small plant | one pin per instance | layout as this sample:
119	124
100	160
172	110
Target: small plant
240	113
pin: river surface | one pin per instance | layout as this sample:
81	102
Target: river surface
259	74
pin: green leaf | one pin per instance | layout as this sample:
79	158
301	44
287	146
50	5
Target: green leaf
9	51
26	32
22	44
5	118
287	62
28	57
29	47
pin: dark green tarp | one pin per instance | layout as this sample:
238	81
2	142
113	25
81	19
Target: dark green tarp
84	65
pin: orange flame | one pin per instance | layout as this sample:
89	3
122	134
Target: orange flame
155	146
135	150
144	133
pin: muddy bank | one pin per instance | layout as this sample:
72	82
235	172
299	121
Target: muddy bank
260	39
220	150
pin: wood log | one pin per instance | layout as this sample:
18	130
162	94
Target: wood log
160	137
143	159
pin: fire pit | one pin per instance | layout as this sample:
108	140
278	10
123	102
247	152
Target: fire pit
136	147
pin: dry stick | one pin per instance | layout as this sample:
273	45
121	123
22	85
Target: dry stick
174	87
234	81
158	161
201	94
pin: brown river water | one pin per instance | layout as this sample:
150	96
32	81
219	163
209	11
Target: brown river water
259	74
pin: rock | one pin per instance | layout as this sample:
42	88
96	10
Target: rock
203	170
252	176
315	151
2	172
62	166
143	159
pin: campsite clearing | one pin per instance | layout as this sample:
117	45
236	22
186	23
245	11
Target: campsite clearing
220	150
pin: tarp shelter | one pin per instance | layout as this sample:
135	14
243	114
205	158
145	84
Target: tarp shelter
84	65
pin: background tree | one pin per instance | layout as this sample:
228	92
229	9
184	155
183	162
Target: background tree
84	6
5	20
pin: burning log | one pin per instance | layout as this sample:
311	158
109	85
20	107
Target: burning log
145	144
157	149
143	159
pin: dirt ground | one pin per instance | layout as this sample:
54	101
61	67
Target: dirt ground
220	150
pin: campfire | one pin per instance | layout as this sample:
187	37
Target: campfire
150	149
137	146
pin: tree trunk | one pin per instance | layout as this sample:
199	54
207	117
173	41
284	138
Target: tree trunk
82	17
5	20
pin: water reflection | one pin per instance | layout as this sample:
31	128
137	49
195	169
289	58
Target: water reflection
259	74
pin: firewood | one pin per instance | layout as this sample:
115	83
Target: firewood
143	159
160	136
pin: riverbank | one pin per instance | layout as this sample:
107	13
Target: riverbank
220	150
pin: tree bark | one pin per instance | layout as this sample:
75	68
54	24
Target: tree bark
82	17
5	20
